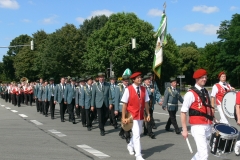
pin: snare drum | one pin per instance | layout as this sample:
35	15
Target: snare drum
223	139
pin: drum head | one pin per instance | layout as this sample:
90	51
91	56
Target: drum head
228	104
225	129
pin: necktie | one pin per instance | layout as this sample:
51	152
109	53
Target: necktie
138	92
203	93
173	89
225	86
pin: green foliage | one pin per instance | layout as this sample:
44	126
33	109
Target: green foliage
229	57
113	40
189	56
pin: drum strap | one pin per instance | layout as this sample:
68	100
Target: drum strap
200	94
193	112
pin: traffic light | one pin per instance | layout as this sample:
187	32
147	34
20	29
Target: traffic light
32	45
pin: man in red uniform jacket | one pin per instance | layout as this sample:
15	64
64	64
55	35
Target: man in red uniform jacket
135	99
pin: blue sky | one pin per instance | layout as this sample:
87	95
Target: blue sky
188	20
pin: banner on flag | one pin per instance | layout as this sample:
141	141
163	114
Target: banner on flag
161	40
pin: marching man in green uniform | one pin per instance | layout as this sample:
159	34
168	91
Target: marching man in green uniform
102	101
171	98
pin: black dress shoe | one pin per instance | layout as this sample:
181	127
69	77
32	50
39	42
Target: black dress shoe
52	117
74	122
178	131
152	135
84	125
70	120
115	126
102	133
62	120
168	130
89	128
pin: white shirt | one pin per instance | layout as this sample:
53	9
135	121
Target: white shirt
189	99
125	96
215	89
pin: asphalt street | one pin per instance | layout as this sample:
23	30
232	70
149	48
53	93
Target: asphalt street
28	135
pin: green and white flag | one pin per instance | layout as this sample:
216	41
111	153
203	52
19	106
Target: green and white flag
161	40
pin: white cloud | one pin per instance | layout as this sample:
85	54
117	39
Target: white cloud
26	20
50	20
174	1
202	28
210	29
80	20
155	12
99	13
205	9
95	13
11	4
30	2
233	8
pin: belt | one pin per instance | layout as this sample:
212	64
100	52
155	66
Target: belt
120	103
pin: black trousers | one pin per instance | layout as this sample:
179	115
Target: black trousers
70	108
25	98
37	105
113	117
14	99
78	110
103	114
89	117
22	98
30	98
46	107
6	97
83	115
52	106
172	120
40	103
18	100
149	125
9	97
63	108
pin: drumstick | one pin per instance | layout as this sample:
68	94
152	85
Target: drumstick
189	146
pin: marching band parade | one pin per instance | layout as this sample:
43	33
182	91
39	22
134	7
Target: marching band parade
131	102
127	104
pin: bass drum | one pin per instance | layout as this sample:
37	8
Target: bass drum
228	104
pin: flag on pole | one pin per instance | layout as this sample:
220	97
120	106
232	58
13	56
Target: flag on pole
161	40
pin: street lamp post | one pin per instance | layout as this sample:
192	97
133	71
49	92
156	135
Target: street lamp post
133	42
31	45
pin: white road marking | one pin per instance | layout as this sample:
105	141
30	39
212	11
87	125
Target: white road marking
7	107
2	105
14	111
36	122
23	115
163	113
59	134
93	151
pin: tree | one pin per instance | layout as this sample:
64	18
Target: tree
62	54
208	59
229	57
112	41
8	59
189	56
